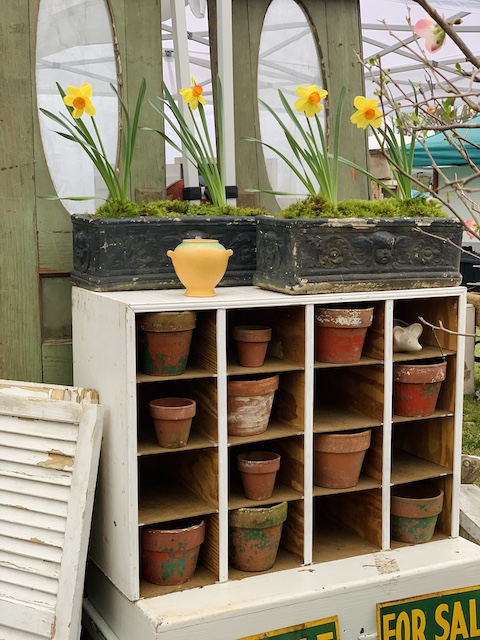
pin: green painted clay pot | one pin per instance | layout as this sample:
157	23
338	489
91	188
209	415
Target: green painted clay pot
170	553
414	512
254	536
164	340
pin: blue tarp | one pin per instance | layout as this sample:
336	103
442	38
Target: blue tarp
444	153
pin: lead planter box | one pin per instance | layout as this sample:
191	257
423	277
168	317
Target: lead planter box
116	254
326	255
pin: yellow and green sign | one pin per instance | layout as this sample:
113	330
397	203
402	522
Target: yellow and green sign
449	615
326	629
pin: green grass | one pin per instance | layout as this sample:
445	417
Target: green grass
471	419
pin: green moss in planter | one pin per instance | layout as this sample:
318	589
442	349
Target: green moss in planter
169	208
320	207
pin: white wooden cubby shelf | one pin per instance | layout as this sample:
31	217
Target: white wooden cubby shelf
141	483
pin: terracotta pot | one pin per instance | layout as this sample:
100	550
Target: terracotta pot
252	342
258	470
249	404
414	512
164	342
254	536
417	386
172	418
340	334
170	554
200	264
339	458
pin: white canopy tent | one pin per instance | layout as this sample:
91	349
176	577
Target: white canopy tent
75	45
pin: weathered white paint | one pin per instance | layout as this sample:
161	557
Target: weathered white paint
49	448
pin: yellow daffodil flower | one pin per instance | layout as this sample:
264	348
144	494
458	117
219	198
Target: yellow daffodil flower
80	99
367	113
193	96
309	99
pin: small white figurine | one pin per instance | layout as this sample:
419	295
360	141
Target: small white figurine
405	337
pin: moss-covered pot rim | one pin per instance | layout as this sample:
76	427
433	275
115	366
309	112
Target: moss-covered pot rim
261	517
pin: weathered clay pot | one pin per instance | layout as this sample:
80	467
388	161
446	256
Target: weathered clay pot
164	342
339	458
200	264
258	470
414	512
170	554
252	343
254	536
417	386
249	403
340	334
172	418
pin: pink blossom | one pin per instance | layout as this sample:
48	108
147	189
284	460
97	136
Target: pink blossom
471	224
434	35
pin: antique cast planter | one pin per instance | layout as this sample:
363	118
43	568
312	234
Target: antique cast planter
115	254
329	255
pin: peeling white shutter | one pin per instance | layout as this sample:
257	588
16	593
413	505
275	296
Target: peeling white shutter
49	450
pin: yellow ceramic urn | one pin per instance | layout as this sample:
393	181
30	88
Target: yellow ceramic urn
200	264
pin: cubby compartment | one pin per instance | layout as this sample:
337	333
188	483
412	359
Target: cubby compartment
372	349
438	312
291	549
289	479
422	449
348	398
207	569
443	525
202	356
287	414
203	432
286	348
347	525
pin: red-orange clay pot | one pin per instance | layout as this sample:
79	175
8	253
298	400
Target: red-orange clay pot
340	334
170	554
339	458
252	343
172	418
164	342
414	512
249	403
417	386
258	470
254	536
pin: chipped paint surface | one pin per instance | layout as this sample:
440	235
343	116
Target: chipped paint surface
57	460
385	564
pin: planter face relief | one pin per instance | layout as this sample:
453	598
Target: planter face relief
329	255
414	512
131	253
170	554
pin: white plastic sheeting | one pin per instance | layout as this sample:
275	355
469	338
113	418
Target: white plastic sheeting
75	46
